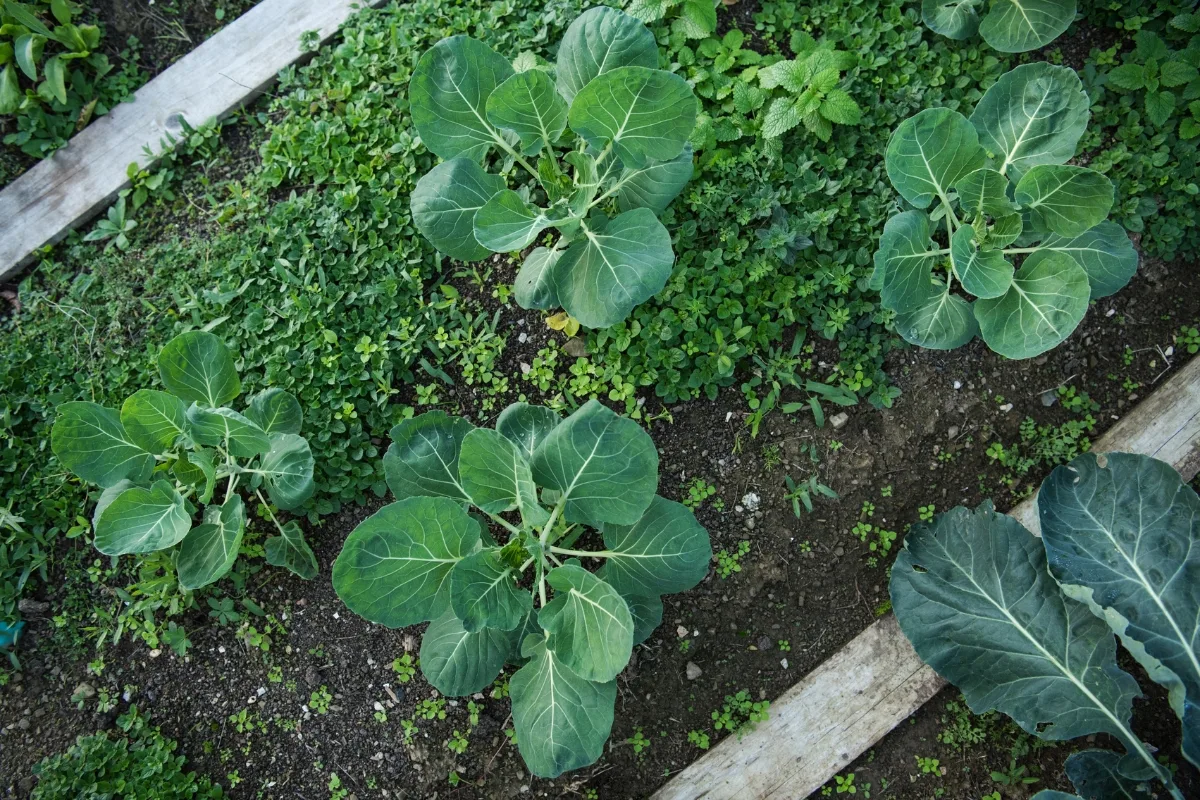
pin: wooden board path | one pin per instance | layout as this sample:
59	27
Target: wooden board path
229	69
875	682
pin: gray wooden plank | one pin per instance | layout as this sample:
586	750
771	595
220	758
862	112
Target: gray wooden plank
876	681
226	71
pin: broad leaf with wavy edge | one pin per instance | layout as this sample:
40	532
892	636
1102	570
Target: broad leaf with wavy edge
529	105
445	201
227	428
448	96
497	477
197	367
1104	252
904	261
1096	775
142	520
647	613
654	185
153	420
605	466
288	471
535	285
484	593
209	549
943	321
1043	306
458	662
599	40
507	223
423	457
1016	26
276	411
90	441
1122	533
644	114
929	153
983	271
1064	199
664	552
983	193
589	625
954	19
289	550
526	426
1034	114
394	568
562	721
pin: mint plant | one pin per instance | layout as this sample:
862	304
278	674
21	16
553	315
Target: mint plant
1002	188
166	453
1166	78
691	19
1025	625
626	148
1010	26
425	558
811	91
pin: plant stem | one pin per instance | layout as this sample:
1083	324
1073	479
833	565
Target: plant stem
549	526
517	156
267	506
563	551
1015	250
502	522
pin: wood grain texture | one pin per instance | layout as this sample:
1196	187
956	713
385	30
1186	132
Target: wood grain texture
229	69
876	681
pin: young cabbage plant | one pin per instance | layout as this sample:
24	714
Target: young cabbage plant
1010	26
580	491
1025	625
624	126
1002	188
165	454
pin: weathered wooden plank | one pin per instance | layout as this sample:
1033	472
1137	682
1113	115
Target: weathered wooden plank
226	71
876	681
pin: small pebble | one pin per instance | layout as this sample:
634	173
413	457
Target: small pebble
693	671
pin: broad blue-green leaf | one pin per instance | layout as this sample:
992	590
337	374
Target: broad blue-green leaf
605	274
290	551
1035	114
589	625
226	428
1122	533
153	420
599	40
526	426
394	568
954	19
458	662
1051	794
534	286
90	441
664	552
984	193
507	223
656	184
275	411
929	153
288	471
444	204
448	96
1064	199
1096	775
904	261
108	495
1045	303
1015	26
529	105
484	593
984	272
1104	252
562	721
142	521
423	457
942	321
973	594
197	367
647	613
646	114
497	477
209	549
202	459
1005	230
605	466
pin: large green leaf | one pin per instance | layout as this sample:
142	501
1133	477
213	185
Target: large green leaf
288	471
1064	199
655	184
534	286
153	420
1096	775
1045	303
142	520
606	273
929	153
973	594
599	40
646	114
664	552
589	625
497	477
89	441
647	613
276	411
1035	114
209	549
562	721
1015	26
983	193
458	662
444	204
394	568
529	105
605	466
1122	533
507	223
984	272
448	96
199	368
954	19
290	551
484	593
904	261
526	426
423	457
1104	252
942	321
226	428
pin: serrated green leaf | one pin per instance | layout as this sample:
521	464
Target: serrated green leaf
288	471
528	104
444	204
1017	26
209	550
290	551
90	441
1045	303
448	96
276	411
1064	199
1127	77
782	115
458	662
954	19
1104	252
839	107
930	152
984	272
142	520
527	426
646	114
1159	106
197	367
1177	73
423	457
497	477
226	428
600	40
697	19
484	593
664	552
656	184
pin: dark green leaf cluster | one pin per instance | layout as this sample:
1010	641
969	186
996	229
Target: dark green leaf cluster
1168	80
687	19
1010	26
427	558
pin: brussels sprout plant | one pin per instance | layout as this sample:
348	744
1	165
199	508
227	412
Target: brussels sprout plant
1003	189
1010	26
166	453
626	149
1025	625
528	599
